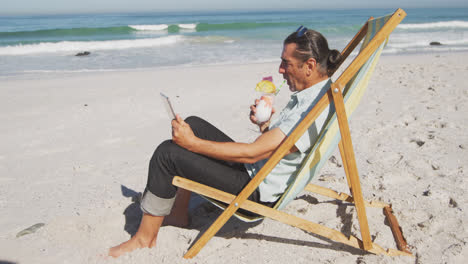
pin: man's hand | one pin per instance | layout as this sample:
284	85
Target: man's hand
182	133
263	126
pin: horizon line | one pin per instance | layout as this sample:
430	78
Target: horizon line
208	11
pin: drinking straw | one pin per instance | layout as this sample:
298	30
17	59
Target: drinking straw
279	88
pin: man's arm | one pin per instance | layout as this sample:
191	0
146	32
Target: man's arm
262	148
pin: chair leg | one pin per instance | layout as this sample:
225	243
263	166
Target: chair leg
350	160
343	159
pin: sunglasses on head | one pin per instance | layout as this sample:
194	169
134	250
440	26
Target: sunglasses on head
301	31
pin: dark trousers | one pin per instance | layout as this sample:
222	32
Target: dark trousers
170	160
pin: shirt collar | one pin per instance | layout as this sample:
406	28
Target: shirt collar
311	92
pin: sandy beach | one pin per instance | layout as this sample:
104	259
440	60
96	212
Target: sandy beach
75	148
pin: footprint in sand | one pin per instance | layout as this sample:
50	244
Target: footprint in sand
418	142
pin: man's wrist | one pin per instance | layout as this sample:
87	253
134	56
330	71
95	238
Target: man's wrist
264	127
195	144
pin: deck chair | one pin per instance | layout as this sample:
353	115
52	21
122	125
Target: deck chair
345	93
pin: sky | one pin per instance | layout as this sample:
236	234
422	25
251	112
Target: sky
11	7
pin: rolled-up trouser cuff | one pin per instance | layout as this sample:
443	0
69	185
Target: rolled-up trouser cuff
154	205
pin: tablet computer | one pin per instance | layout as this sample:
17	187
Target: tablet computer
167	104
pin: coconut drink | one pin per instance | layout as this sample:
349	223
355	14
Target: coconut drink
265	104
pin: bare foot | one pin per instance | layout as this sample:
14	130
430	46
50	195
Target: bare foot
129	246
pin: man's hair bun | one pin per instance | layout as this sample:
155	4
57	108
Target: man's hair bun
333	61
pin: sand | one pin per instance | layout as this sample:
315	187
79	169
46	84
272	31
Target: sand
75	147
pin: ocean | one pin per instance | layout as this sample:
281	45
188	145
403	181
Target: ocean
48	43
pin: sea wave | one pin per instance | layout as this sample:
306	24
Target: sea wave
150	27
67	32
92	32
160	27
404	44
240	25
188	26
436	25
211	39
74	46
199	27
424	49
119	30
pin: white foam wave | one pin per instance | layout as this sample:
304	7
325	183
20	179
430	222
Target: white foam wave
74	46
150	27
425	49
75	71
405	45
455	42
434	25
188	26
211	39
426	42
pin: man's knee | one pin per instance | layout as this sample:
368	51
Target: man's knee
194	120
163	150
164	146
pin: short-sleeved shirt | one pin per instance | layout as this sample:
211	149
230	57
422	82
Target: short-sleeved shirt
274	185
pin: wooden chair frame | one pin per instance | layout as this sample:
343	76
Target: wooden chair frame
347	155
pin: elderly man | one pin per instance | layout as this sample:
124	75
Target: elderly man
200	152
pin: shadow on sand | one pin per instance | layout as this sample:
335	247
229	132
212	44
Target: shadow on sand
203	214
6	262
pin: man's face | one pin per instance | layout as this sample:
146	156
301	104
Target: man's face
292	69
